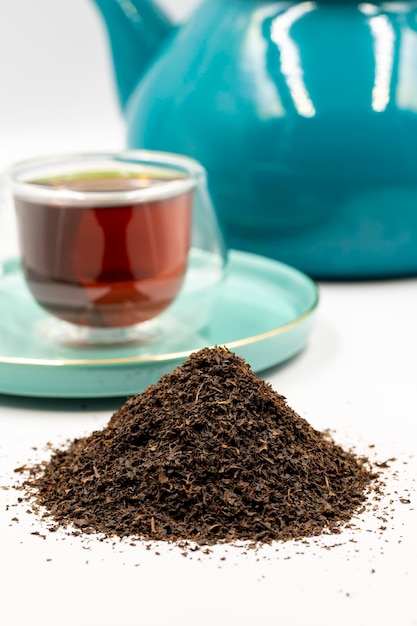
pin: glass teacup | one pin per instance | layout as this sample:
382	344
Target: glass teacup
114	244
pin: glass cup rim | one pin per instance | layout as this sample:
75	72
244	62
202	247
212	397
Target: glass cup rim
194	174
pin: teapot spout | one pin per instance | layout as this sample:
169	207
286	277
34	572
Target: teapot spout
136	29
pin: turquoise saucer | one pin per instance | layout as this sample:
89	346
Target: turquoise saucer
264	313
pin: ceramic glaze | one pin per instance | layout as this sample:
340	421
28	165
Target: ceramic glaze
304	115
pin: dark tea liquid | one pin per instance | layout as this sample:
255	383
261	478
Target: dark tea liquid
108	266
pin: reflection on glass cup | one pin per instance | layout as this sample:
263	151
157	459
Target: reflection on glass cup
107	240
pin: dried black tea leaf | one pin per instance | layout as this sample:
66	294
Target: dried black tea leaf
210	453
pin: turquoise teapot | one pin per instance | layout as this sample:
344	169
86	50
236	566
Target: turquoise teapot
303	113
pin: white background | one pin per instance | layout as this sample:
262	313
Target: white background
58	92
56	80
357	376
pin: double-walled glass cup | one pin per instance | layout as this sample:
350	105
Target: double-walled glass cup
118	246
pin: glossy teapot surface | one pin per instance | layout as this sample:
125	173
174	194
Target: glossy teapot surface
303	113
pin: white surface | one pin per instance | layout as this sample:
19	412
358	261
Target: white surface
357	376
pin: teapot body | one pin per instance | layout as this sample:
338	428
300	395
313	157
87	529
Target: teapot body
305	116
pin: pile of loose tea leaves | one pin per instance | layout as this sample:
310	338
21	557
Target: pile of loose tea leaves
210	454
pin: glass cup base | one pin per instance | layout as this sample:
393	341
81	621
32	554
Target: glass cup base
63	333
